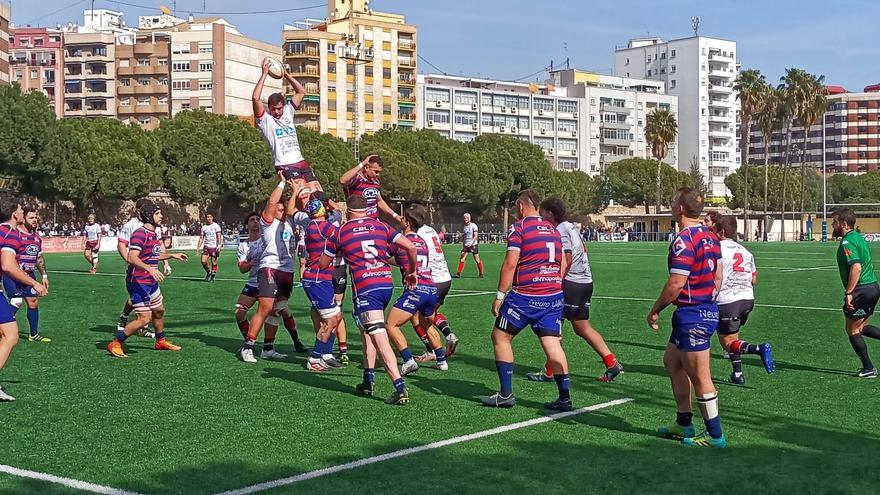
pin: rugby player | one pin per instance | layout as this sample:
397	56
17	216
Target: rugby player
470	243
124	237
210	243
340	279
30	259
92	234
533	267
364	180
861	291
143	279
10	218
694	276
736	300
577	291
364	241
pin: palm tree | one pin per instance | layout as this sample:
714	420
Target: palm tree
795	84
768	118
811	111
661	129
749	87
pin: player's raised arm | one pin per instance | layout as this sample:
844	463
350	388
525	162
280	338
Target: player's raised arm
257	97
268	215
348	176
298	88
383	206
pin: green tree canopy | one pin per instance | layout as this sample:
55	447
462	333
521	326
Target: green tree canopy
24	128
632	182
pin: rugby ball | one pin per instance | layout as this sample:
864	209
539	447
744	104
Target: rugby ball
276	70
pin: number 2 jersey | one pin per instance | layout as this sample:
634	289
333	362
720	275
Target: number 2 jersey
694	253
436	258
539	270
423	268
738	265
364	244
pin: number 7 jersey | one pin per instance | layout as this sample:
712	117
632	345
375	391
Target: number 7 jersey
739	265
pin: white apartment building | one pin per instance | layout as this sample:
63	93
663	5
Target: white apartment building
701	72
583	121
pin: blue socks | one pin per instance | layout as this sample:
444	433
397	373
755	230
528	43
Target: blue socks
369	375
440	354
405	354
161	335
505	376
120	336
399	385
562	385
33	316
713	426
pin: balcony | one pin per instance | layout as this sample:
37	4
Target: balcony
607	107
615	125
616	141
309	110
720	103
718	57
723	74
141	89
406	45
99	112
74	112
311	125
73	90
312	89
406	81
406	116
142	70
721	119
406	99
406	62
31	62
307	71
720	89
308	52
721	133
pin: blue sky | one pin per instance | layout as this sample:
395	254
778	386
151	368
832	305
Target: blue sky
514	38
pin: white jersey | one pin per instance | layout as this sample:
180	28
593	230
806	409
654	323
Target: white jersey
739	265
276	237
436	259
573	243
92	232
469	234
251	251
209	232
128	229
281	136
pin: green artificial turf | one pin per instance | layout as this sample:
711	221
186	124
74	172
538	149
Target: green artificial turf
200	421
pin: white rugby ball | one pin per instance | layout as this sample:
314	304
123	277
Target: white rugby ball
276	70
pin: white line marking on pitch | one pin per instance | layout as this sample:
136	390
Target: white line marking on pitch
810	269
421	448
58	480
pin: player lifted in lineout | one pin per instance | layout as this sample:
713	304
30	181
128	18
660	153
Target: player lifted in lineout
470	244
30	259
210	243
92	234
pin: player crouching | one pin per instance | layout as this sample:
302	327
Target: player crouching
143	278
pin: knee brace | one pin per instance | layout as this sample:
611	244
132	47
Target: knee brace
272	320
280	306
16	302
374	328
240	307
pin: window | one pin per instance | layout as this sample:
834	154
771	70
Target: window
567	125
180	67
205	48
163	62
143	100
331	87
331	48
464	98
34	73
180	85
672	54
663	71
568	106
349	69
123	62
143	81
433	95
386	109
143	62
163	100
123	102
672	83
649	59
206	86
438	116
627	61
163	81
100	51
672	69
543	104
206	66
486	100
178	48
465	118
567	144
331	68
465	137
662	55
545	125
544	143
386	73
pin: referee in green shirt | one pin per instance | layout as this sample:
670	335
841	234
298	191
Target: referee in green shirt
861	290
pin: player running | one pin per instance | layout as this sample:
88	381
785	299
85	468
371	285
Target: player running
92	234
10	218
143	278
577	290
861	291
363	180
736	300
210	244
533	266
470	243
30	259
418	304
364	243
694	256
124	237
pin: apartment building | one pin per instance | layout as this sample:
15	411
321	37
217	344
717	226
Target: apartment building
143	74
214	67
36	63
701	72
359	68
583	121
5	33
852	135
89	74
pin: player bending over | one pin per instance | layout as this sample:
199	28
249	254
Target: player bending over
693	278
92	234
736	300
30	259
533	267
210	243
364	243
10	218
143	278
861	291
122	248
577	291
470	243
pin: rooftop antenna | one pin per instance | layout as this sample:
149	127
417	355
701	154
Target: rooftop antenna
695	23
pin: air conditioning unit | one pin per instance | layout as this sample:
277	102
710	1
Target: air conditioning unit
513	129
575	114
502	129
503	109
438	103
543	131
574	133
473	106
430	123
540	111
574	152
512	109
474	126
551	151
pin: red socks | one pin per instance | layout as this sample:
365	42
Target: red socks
609	360
460	267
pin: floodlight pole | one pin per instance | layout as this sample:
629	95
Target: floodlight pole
824	186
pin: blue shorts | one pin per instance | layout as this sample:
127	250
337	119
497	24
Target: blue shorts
14	288
422	300
320	294
144	297
374	300
542	313
693	326
250	291
7	312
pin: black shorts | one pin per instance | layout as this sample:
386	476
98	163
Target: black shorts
473	249
577	297
340	279
250	291
303	167
864	301
442	291
733	316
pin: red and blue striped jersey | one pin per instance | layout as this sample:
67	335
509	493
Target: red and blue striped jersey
147	243
364	244
423	269
30	247
539	270
317	235
9	239
694	253
369	189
